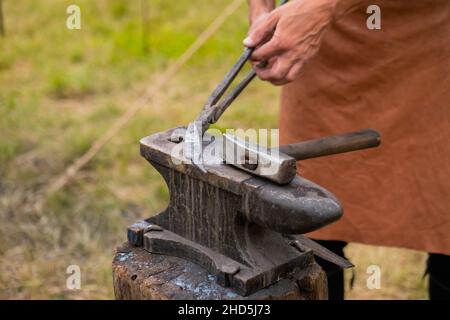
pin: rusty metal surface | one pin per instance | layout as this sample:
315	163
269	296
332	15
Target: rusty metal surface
301	206
243	278
260	258
230	222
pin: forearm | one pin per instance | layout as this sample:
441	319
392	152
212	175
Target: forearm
338	7
259	7
288	36
343	7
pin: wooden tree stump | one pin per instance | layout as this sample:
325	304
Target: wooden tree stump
140	275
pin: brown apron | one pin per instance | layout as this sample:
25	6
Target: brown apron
395	80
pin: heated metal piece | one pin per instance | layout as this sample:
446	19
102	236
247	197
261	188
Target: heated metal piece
279	164
230	222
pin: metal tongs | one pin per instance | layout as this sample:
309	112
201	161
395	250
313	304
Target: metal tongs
213	108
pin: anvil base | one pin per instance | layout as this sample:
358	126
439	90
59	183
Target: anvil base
140	275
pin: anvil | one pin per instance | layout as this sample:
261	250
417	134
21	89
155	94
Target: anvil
245	230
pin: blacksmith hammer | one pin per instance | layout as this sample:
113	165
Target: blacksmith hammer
279	164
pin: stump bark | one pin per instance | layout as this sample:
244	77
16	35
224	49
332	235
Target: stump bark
140	275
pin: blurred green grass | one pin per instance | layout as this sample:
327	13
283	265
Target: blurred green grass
61	89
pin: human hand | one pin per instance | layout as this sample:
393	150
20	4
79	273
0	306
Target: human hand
287	37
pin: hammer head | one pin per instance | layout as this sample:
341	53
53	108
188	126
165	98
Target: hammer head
261	161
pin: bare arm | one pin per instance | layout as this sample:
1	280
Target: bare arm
258	8
297	27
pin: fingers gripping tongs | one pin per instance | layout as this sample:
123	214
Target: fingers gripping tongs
214	108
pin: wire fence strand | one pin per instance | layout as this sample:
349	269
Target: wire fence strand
71	171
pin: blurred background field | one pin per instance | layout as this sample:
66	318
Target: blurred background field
61	89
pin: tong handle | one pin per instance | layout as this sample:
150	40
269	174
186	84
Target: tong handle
229	77
213	109
341	143
220	108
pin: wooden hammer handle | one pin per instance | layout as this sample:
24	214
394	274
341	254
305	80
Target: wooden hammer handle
341	143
